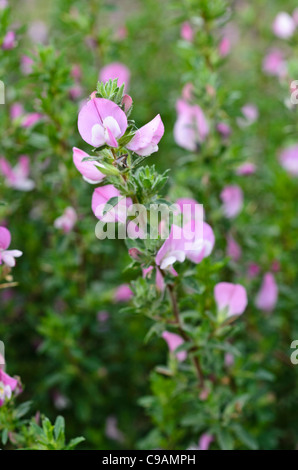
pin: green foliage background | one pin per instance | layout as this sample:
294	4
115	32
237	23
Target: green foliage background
49	325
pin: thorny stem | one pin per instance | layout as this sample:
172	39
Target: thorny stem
195	359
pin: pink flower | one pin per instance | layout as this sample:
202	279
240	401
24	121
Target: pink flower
187	92
174	341
101	196
172	250
253	270
121	33
191	127
187	242
3	4
113	71
101	122
250	115
90	170
187	32
146	139
159	280
190	209
275	266
224	47
247	168
7	386
38	31
231	299
112	431
202	243
26	64
283	25
123	293
126	103
229	359
7	256
17	177
232	198
224	129
102	316
9	41
295	16
67	220
16	111
289	160
233	249
75	92
274	63
76	72
30	119
268	293
205	441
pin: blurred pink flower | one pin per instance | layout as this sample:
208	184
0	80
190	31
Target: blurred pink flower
101	122
30	119
67	220
7	386
101	196
16	111
224	129
191	127
76	91
113	71
275	64
232	198
289	159
146	139
121	33
9	41
187	92
267	296
275	266
3	4
89	170
229	359
102	316
284	25
17	177
253	270
231	299
187	32
205	441
26	64
174	341
112	431
38	31
76	72
224	47
246	168
295	16
233	249
250	115
123	293
7	256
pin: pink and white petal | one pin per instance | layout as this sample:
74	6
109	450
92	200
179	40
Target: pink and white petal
5	238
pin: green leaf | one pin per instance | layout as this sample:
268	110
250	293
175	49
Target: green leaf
225	439
247	439
59	427
111	204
